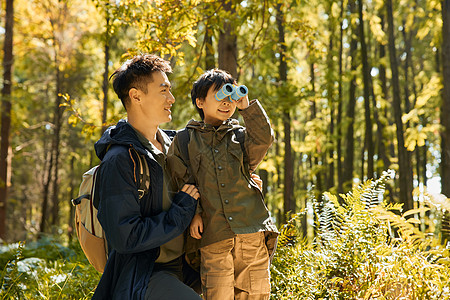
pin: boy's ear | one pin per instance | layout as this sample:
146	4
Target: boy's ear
134	95
199	102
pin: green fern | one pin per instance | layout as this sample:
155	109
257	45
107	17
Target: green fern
363	249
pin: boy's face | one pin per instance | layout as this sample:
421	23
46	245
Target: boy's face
216	111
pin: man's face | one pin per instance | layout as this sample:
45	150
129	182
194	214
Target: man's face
216	111
158	100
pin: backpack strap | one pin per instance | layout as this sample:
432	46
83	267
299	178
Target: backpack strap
144	174
240	137
183	141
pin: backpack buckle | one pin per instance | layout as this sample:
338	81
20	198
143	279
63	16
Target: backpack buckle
141	193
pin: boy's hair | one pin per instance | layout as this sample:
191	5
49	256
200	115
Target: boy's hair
137	73
213	77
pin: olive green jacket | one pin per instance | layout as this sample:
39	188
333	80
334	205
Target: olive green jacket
230	201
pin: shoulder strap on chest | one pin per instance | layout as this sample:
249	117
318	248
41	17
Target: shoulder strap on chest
240	137
144	173
183	142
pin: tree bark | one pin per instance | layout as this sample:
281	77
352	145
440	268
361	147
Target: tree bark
350	147
405	172
367	113
6	114
55	146
228	43
106	72
330	97
339	109
445	109
209	50
289	202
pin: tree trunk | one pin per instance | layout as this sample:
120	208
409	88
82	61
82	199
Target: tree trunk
6	114
405	172
315	156
330	97
445	110
350	148
55	147
209	50
46	191
340	99
106	73
72	195
228	43
289	203
366	75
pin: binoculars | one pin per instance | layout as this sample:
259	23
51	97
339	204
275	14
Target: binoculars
232	91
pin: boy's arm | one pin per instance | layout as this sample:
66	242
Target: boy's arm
176	165
259	133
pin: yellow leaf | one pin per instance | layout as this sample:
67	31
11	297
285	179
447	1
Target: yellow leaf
413	221
415	211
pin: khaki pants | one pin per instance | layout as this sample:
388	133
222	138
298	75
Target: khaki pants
236	268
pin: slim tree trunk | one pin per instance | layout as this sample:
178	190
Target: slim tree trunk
209	50
228	42
330	95
106	72
405	172
445	110
6	114
56	147
340	99
72	194
366	74
315	156
289	203
350	147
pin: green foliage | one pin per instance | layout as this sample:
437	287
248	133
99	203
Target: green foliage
46	270
362	250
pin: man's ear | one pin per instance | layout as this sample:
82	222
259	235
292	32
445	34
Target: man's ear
134	95
199	102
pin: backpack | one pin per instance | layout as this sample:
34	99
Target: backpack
89	230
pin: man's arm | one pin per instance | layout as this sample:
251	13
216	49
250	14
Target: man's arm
126	229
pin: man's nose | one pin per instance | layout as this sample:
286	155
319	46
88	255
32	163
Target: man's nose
171	98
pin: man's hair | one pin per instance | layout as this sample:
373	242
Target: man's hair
137	73
213	77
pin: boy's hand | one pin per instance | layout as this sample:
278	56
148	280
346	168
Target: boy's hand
257	180
196	228
243	102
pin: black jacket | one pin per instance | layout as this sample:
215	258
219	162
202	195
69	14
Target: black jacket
134	228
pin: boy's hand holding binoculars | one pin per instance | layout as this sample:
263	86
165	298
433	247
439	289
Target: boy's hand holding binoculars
234	93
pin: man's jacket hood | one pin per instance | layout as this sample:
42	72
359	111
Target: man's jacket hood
120	134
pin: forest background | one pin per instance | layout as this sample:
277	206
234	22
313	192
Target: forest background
353	88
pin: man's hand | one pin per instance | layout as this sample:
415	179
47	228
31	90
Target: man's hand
191	190
196	228
243	102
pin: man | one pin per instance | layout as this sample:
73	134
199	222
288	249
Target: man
145	235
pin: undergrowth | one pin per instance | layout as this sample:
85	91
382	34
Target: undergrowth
363	249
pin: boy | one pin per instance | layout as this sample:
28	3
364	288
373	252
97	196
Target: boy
232	222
